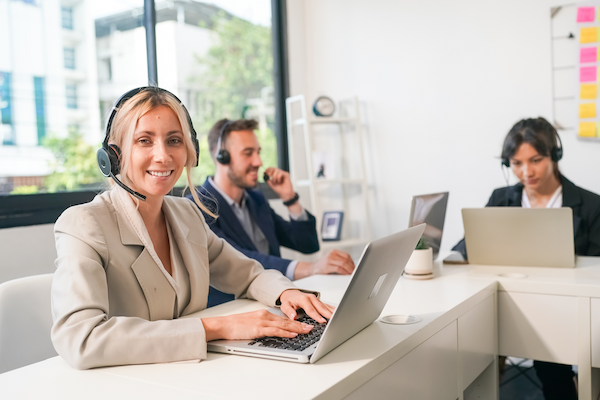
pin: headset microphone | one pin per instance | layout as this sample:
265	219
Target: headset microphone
109	162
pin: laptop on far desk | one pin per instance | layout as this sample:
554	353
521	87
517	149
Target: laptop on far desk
430	209
373	280
515	236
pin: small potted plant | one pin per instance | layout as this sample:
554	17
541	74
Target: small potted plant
420	263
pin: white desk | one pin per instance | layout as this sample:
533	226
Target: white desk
550	314
420	361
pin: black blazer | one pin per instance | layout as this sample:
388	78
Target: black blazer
296	235
586	214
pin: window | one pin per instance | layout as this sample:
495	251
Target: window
69	57
223	68
67	17
71	93
40	108
6	124
61	117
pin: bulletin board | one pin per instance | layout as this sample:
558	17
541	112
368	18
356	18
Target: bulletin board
588	70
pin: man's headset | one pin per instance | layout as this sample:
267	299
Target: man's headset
223	157
109	155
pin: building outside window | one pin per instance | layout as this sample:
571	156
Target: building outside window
71	92
6	123
69	57
67	17
40	107
51	147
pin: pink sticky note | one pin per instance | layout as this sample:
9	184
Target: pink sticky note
587	74
585	14
588	55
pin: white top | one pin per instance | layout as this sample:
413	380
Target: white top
554	202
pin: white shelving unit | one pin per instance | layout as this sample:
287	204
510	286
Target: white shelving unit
302	139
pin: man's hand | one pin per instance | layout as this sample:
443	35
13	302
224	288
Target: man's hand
336	262
280	182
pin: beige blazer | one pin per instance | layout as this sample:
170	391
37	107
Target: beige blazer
112	301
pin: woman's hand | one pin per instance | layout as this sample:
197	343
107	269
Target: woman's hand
252	325
293	299
262	323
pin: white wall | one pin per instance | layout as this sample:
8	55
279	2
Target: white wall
441	82
27	250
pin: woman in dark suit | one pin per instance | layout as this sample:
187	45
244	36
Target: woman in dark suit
532	150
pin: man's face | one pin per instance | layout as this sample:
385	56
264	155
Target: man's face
244	149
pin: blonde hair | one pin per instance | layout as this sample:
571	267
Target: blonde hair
125	122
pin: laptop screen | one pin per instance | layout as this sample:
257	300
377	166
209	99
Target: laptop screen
431	210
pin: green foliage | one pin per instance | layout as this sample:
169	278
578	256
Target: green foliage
422	245
33	189
236	68
74	163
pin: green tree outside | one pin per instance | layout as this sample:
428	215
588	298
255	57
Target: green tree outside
74	163
237	68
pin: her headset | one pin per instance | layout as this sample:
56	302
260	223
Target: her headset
223	157
109	155
556	154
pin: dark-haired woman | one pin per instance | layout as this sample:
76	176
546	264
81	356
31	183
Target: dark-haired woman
532	150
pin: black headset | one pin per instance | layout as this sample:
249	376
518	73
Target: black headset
109	155
223	157
556	154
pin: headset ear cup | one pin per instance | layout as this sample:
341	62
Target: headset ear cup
505	162
223	157
557	154
103	162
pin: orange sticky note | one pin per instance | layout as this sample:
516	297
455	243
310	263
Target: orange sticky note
588	35
588	91
587	110
587	129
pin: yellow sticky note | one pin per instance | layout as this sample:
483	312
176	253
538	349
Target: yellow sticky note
588	91
587	110
588	35
587	129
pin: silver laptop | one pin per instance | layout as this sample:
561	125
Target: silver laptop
535	237
430	209
373	280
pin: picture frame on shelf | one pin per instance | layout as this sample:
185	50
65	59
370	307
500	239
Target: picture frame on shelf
331	226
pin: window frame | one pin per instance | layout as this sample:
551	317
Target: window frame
39	209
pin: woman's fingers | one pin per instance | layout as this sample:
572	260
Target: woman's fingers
289	310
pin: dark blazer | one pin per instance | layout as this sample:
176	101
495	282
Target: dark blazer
586	214
296	235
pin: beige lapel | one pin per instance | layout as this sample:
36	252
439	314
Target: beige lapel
189	234
158	286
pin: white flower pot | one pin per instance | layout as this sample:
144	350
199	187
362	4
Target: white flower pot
420	264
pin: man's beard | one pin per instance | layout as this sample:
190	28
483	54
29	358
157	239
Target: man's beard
238	179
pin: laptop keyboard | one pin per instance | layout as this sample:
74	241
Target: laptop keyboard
298	343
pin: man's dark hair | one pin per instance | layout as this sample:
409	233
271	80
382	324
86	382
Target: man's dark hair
215	131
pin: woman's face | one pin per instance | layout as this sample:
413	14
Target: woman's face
533	170
158	153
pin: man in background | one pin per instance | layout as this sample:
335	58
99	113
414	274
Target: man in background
245	218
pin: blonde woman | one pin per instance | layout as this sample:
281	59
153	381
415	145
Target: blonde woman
133	262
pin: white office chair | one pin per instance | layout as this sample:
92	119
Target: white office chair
25	321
